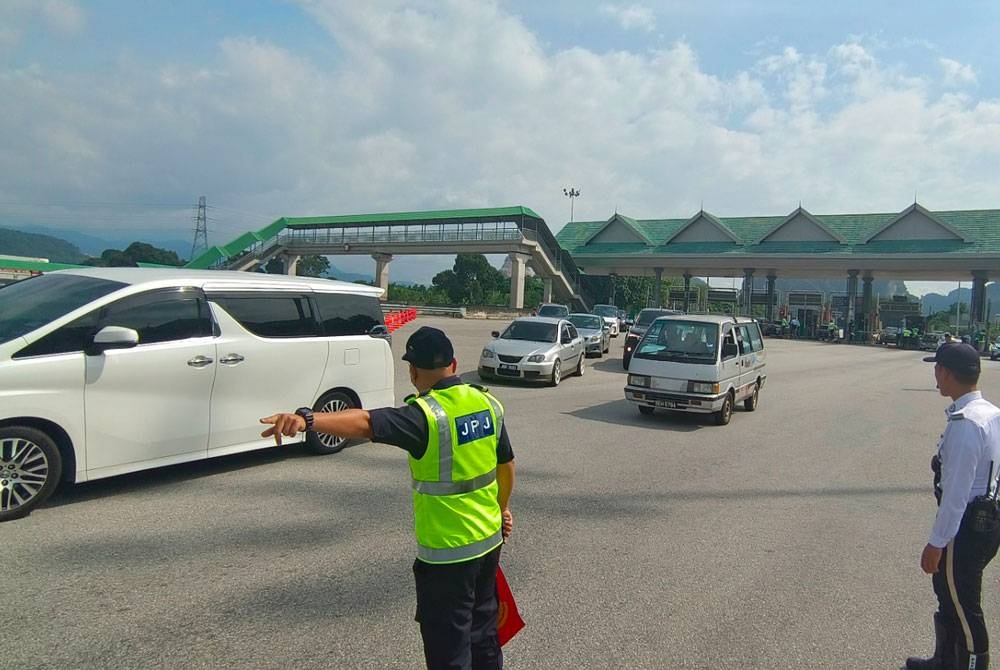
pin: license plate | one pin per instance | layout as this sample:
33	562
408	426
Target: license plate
505	369
665	403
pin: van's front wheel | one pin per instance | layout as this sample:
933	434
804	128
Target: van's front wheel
30	467
750	404
321	443
725	413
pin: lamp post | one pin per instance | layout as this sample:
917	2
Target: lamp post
572	194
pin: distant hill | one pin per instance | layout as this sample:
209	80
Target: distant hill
92	245
19	243
336	273
935	302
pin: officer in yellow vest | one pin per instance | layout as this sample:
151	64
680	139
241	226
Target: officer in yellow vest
462	469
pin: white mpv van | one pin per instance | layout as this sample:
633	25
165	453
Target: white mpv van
698	363
110	370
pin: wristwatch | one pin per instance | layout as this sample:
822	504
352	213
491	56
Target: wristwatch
307	414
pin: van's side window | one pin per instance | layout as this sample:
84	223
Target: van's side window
272	315
728	337
158	316
746	344
755	338
161	316
347	314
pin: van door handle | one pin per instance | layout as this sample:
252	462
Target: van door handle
200	361
231	359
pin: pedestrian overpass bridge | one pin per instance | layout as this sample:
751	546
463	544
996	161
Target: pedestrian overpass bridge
516	231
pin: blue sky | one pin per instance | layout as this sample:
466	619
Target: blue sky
328	107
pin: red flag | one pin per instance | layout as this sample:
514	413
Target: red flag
509	621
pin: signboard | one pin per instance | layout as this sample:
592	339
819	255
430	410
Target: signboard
722	295
804	298
760	298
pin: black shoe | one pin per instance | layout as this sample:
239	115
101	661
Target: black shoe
944	650
967	661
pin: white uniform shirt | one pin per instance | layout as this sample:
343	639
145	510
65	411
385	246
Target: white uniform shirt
969	449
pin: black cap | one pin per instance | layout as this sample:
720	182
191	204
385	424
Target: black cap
429	349
956	356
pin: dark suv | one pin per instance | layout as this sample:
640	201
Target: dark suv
635	333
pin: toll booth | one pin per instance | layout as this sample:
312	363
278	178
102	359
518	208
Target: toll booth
893	311
807	307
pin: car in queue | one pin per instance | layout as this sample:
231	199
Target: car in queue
112	370
698	363
610	315
552	310
635	333
595	332
534	348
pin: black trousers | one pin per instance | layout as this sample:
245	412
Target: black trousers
958	583
457	613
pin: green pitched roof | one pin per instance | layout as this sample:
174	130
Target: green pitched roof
36	266
980	227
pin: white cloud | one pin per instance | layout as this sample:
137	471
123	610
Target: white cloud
631	17
458	104
63	16
955	73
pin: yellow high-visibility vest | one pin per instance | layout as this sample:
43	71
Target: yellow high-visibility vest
455	508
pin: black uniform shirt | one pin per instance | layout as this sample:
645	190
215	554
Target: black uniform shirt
406	427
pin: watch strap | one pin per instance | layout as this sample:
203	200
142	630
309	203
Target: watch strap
307	414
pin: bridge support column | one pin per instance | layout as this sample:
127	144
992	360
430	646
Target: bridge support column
291	263
772	280
546	289
518	262
658	287
852	296
747	302
687	291
868	305
977	308
382	273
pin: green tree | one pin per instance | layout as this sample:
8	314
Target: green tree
310	265
471	281
135	253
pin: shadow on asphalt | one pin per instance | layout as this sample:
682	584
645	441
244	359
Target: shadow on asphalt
609	365
623	413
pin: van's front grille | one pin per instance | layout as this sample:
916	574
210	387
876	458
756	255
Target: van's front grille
509	359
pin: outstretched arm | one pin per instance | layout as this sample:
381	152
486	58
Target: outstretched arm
348	423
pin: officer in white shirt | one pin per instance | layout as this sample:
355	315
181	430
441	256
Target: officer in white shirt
966	532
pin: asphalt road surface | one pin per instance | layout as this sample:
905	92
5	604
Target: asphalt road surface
790	538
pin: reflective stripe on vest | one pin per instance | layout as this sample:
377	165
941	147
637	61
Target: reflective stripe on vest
455	554
454	488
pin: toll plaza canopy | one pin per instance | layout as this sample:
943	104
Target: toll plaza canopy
914	244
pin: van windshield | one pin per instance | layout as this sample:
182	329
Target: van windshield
31	303
676	340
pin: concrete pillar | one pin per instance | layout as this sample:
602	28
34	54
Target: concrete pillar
867	303
852	295
291	262
546	289
687	291
977	308
382	272
657	287
517	272
747	304
772	280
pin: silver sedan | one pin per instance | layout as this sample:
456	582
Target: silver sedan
535	349
595	331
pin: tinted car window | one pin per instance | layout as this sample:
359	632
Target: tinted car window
647	316
587	321
347	314
606	310
31	303
288	315
158	316
532	331
553	310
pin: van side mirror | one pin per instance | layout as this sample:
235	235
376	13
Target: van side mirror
112	337
729	349
495	334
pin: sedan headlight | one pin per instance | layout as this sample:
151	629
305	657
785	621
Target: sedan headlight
638	380
703	387
488	354
594	338
536	358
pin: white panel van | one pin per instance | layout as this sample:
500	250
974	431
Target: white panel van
698	363
105	371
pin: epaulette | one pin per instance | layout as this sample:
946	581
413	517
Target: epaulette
410	398
478	387
956	416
